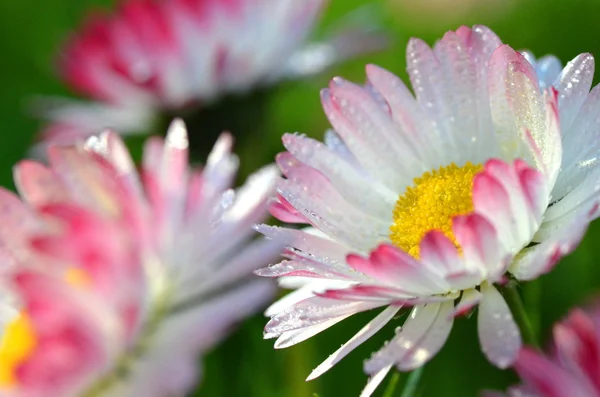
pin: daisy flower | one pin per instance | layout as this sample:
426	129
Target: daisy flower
120	280
430	200
173	55
572	368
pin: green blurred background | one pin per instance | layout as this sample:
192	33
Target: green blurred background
246	365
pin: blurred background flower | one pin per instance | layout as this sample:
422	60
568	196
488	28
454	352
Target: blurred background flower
34	32
570	367
123	279
150	60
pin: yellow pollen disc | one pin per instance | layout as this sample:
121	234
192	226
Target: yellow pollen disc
431	203
17	344
77	277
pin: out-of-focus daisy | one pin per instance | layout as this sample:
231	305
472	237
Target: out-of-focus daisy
129	277
173	55
428	201
572	368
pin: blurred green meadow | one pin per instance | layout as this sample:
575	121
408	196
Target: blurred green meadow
32	31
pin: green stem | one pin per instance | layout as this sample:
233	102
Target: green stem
532	295
412	382
391	387
513	299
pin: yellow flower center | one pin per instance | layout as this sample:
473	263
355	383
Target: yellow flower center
20	340
17	344
431	203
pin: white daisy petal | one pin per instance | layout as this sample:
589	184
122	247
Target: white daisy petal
375	381
422	335
498	333
365	333
573	86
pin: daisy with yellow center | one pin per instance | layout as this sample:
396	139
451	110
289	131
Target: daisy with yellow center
105	293
17	344
430	200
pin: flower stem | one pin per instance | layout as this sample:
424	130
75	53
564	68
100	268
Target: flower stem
391	387
412	382
532	294
513	299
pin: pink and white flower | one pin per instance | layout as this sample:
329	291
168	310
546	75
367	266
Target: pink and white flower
122	279
430	200
173	54
572	367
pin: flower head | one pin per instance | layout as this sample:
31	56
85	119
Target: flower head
429	201
119	280
171	55
572	368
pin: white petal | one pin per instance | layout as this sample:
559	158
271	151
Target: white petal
375	381
314	311
573	86
291	338
498	333
562	238
547	69
322	249
427	81
411	121
250	257
512	94
335	143
581	156
329	212
365	333
584	194
311	287
367	139
463	63
359	190
421	337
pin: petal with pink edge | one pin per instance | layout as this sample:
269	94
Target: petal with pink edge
285	212
577	346
19	222
439	254
543	374
37	184
72	322
527	119
512	197
394	267
479	242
